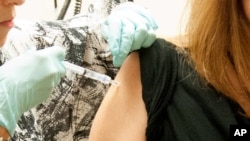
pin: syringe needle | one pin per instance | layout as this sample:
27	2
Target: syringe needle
115	83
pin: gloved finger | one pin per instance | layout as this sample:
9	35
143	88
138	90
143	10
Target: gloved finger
150	38
122	37
105	29
126	40
34	101
112	32
55	55
117	61
127	36
55	51
139	37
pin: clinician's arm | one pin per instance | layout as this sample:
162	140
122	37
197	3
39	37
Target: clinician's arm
122	115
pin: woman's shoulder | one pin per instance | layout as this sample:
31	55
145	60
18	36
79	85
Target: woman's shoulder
160	54
165	47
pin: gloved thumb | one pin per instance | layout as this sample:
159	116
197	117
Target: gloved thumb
55	51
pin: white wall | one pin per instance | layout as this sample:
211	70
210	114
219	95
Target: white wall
166	12
36	9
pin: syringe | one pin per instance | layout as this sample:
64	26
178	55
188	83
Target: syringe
90	74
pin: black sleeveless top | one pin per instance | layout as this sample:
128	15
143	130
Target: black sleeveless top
179	106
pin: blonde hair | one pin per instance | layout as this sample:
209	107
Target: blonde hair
219	45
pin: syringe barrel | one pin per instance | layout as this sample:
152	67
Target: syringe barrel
74	68
97	76
88	73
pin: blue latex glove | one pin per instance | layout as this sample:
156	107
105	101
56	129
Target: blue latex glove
129	27
26	81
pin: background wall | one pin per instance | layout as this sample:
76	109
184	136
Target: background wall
166	12
36	9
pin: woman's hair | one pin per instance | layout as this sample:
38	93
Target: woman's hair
219	45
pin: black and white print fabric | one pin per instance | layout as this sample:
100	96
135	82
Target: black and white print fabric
67	115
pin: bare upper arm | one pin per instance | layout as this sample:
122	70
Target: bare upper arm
122	115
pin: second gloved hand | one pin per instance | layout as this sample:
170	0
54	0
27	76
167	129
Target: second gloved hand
129	27
26	81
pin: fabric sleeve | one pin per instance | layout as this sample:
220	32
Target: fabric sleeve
196	110
158	74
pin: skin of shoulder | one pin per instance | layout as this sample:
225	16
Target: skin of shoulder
122	114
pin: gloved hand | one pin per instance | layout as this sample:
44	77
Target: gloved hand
26	81
129	27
